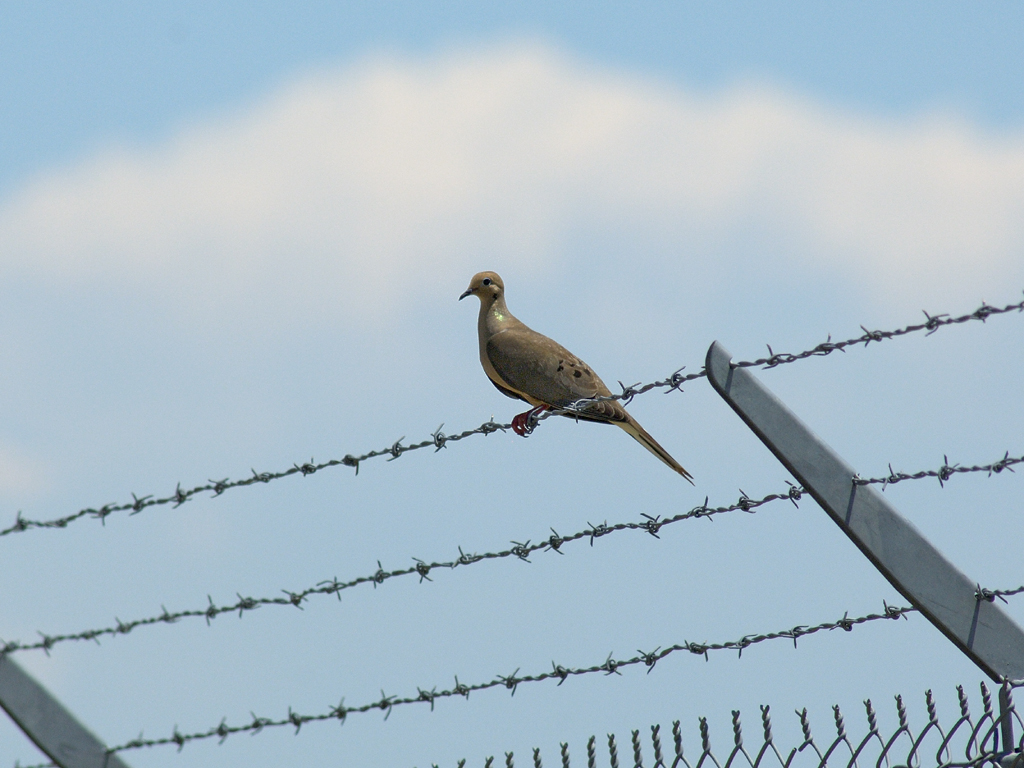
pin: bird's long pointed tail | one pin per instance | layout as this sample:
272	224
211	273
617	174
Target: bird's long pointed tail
638	433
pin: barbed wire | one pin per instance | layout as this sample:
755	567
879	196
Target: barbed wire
943	473
511	682
519	550
932	324
439	440
217	487
990	595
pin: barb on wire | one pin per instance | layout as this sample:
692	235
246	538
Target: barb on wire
990	595
521	551
439	440
510	682
944	472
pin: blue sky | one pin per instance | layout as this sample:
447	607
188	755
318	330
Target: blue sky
81	77
232	237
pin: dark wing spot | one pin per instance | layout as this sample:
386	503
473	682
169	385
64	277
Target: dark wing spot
561	368
577	374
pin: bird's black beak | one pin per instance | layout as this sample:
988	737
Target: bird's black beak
467	292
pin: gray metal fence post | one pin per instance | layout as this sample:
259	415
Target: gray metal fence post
918	570
45	720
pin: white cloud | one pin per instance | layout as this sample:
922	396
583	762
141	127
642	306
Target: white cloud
353	188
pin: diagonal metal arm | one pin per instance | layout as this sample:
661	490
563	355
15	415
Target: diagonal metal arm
45	720
918	570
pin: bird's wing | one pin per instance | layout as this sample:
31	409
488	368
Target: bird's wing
542	370
503	390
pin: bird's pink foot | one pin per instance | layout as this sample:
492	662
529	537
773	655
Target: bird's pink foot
523	424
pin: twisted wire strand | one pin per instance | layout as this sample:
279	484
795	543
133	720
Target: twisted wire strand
519	550
439	440
511	682
990	595
217	487
945	472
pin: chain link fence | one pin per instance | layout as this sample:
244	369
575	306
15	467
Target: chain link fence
967	740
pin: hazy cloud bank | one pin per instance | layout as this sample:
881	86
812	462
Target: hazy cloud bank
353	189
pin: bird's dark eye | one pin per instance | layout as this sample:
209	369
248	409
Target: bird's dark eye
487	281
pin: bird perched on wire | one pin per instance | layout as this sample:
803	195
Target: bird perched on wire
529	366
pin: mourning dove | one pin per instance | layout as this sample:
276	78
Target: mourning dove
526	365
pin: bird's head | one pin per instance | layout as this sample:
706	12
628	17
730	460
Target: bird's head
487	286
